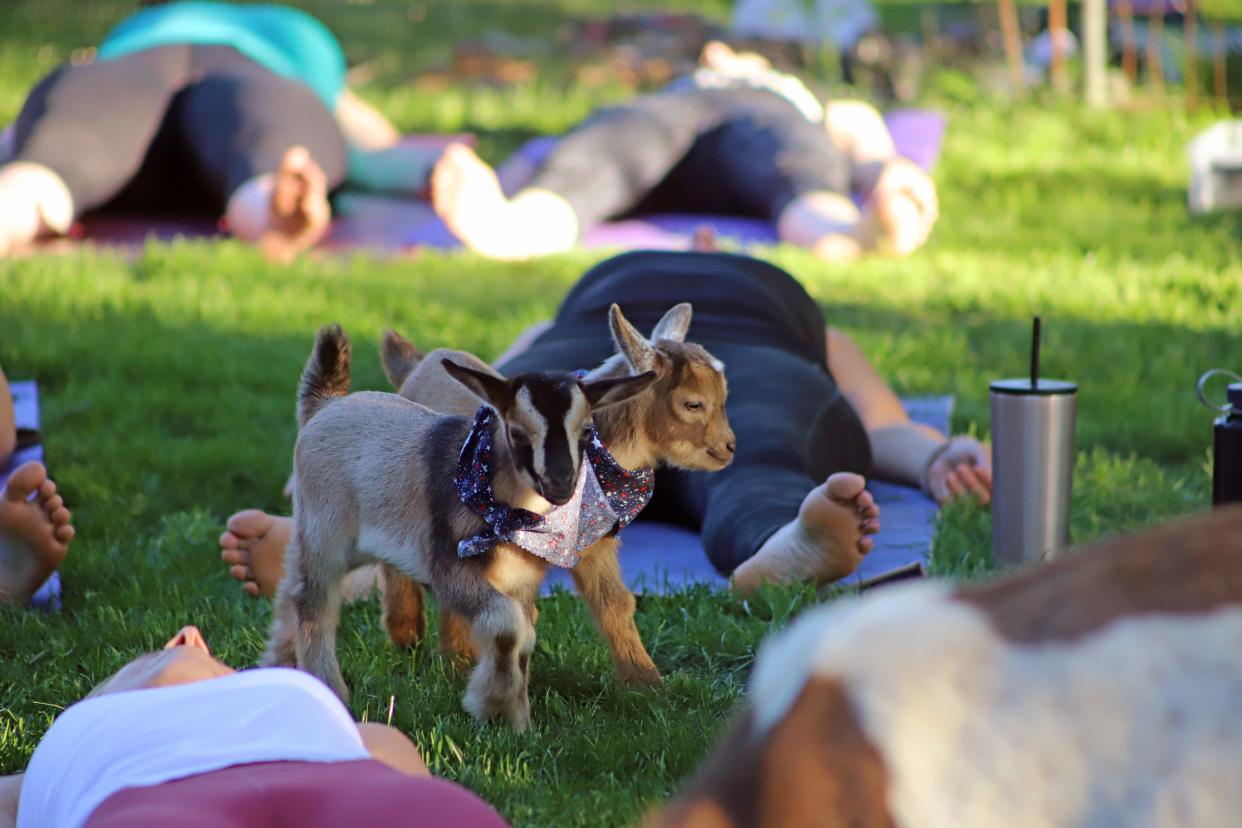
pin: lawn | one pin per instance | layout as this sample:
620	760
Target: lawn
169	383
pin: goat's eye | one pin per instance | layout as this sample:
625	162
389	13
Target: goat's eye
519	437
693	405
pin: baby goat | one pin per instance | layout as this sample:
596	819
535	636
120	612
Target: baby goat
374	482
680	420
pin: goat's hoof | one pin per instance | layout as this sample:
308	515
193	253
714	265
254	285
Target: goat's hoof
640	675
405	635
514	710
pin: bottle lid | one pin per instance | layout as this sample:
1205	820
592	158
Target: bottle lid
1041	388
1234	395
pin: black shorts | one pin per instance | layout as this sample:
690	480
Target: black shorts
744	152
174	128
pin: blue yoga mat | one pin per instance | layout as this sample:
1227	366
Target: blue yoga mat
660	557
26	412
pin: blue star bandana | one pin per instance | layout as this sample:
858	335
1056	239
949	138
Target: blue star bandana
606	499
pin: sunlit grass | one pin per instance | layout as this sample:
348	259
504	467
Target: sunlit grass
169	384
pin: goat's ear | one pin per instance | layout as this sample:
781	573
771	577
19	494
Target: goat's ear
487	387
400	358
674	324
633	346
603	393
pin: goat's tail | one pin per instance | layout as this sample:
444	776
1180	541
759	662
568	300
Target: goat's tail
326	375
400	358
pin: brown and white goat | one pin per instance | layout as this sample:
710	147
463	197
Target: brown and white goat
374	483
680	421
1104	689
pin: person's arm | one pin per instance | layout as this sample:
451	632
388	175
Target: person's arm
8	421
377	159
10	792
393	748
903	451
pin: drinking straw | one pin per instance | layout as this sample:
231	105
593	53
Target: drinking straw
1035	354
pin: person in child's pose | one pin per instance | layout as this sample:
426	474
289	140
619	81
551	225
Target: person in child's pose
735	137
202	108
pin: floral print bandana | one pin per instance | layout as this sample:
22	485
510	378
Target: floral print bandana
605	500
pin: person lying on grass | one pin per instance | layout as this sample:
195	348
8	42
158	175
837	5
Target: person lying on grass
34	524
810	413
176	737
202	108
735	137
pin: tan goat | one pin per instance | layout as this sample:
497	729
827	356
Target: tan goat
374	482
680	420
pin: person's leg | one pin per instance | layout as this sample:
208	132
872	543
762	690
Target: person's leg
792	506
81	136
602	168
776	164
266	146
821	539
34	532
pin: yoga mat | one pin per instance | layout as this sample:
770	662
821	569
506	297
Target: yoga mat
917	135
390	224
659	558
26	412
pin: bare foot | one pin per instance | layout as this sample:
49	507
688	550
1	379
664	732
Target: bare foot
34	202
34	532
285	212
254	547
467	196
299	211
902	208
827	541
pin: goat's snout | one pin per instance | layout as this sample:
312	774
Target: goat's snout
558	487
722	451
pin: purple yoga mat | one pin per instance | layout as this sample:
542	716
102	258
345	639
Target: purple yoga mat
26	412
917	134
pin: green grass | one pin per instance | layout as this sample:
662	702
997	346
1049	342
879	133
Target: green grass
169	382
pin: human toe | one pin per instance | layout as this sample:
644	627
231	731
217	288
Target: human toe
235	555
248	524
845	486
25	481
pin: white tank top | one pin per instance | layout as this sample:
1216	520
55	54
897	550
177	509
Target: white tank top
145	737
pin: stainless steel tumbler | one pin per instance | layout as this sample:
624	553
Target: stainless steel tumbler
1032	467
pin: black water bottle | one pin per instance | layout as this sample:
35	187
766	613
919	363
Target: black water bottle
1227	451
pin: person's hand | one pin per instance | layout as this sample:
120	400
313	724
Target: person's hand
963	466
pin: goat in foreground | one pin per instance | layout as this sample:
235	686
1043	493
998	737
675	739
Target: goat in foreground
374	482
1101	689
679	420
